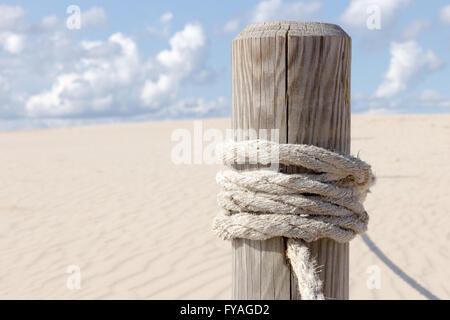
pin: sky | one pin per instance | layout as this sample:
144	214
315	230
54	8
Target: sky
65	63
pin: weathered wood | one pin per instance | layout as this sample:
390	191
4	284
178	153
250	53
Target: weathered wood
294	77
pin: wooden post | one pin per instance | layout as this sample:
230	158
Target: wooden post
295	77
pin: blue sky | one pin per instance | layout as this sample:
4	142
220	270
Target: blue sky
149	60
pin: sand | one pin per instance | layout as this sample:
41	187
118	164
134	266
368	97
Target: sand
109	200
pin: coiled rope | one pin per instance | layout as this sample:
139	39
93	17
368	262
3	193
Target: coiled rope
324	202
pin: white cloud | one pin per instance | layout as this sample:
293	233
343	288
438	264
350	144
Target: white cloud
94	84
433	99
409	64
12	26
200	107
4	85
53	76
184	59
156	93
355	15
12	42
50	22
184	46
444	15
11	17
232	26
94	17
166	17
163	25
415	28
275	10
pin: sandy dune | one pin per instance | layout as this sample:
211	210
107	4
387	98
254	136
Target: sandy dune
109	200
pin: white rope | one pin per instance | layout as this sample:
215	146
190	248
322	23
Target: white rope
325	202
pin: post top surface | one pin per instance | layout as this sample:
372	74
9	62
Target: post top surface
292	28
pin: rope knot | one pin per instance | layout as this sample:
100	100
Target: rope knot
324	202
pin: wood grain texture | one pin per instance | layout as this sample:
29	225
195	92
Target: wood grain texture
294	77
